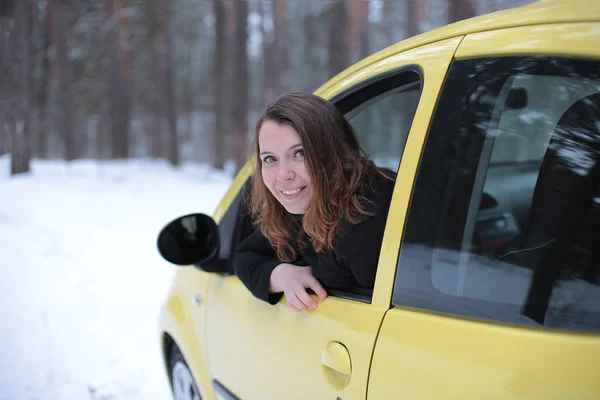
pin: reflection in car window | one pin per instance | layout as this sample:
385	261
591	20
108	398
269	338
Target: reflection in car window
504	221
383	123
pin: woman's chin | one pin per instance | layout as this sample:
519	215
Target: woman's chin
295	209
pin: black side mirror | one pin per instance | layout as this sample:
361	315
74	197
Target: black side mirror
190	239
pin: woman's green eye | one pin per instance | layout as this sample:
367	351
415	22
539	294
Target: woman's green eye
268	159
299	153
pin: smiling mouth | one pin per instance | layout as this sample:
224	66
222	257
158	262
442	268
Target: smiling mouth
291	193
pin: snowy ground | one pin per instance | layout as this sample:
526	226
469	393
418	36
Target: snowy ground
81	281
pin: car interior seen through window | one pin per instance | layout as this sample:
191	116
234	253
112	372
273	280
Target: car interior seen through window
505	217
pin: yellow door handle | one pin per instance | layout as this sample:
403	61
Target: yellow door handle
336	356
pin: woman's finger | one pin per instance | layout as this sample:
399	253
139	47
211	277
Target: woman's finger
305	298
293	302
316	287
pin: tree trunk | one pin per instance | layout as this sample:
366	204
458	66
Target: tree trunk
269	79
42	128
63	72
358	30
118	74
461	9
338	45
15	63
275	45
282	40
411	19
219	79
311	56
167	92
239	109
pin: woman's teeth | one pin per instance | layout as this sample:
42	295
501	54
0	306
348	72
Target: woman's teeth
289	192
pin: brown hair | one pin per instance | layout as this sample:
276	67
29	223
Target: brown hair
336	164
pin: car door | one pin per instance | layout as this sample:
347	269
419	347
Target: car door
497	291
259	351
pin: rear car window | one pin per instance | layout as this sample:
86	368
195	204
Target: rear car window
504	223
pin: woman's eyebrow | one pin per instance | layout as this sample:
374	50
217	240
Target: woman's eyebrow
291	147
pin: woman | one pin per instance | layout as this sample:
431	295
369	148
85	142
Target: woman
321	205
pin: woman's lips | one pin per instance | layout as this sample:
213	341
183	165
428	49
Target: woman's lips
291	194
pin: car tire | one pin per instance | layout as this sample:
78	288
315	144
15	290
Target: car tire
182	381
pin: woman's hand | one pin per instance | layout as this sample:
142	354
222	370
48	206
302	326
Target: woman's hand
293	282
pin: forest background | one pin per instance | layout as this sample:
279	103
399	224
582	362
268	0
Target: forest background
181	80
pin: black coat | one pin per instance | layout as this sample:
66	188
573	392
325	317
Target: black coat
352	263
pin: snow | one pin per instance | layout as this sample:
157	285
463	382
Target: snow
81	281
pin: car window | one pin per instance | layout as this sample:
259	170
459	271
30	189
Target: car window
504	222
381	111
234	227
382	123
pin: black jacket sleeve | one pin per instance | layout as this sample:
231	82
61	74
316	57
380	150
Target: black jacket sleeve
253	263
359	246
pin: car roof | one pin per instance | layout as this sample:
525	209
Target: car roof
539	12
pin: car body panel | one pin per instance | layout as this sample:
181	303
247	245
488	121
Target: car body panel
477	359
571	40
421	355
233	191
184	320
286	347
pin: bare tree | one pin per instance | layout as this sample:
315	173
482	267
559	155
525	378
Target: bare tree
171	105
219	78
413	16
165	140
358	30
276	53
117	14
239	109
461	9
338	45
42	86
311	54
62	68
15	55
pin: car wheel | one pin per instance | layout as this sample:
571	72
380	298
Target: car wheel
182	381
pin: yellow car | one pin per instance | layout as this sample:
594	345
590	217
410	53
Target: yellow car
488	283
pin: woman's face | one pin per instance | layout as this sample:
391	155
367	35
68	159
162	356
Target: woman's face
283	166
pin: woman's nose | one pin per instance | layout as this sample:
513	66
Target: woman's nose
285	173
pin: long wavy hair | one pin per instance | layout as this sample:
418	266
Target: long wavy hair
337	166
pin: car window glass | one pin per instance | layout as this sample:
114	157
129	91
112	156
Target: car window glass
381	113
505	216
382	124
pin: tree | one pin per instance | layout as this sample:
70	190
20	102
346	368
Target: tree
358	30
239	109
461	9
40	101
117	14
62	69
275	46
219	78
15	66
166	140
413	16
338	45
